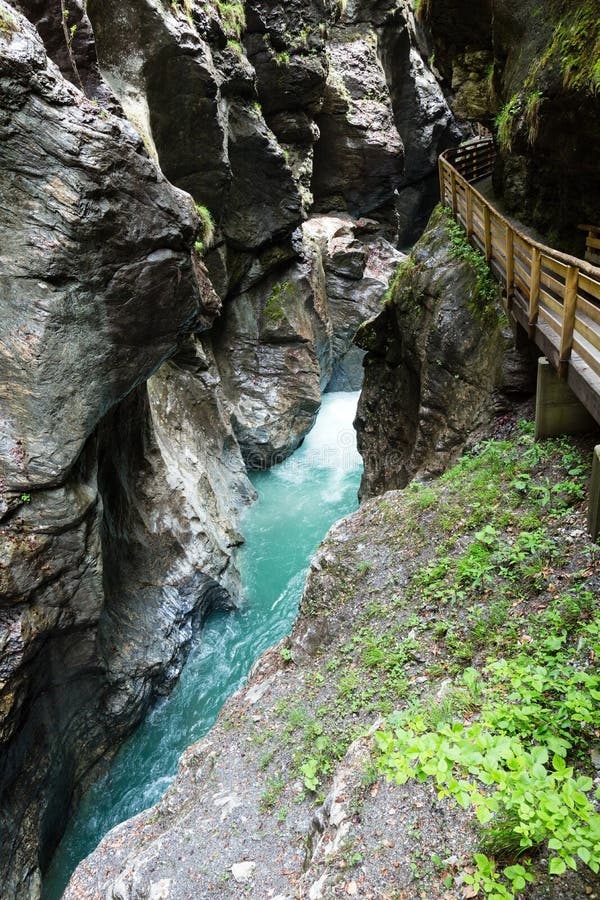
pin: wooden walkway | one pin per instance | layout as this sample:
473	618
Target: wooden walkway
554	297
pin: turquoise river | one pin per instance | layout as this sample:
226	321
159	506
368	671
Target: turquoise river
298	502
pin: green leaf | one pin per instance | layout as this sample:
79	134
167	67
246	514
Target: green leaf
557	866
584	854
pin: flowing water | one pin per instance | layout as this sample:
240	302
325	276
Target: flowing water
298	501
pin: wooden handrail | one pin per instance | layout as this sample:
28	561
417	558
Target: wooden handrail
555	296
582	264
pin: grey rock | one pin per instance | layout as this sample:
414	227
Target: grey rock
106	236
359	157
434	361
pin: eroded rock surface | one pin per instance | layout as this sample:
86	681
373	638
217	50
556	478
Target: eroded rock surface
437	355
122	473
92	235
110	535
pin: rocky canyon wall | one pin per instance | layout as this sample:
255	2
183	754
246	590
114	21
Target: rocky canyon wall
529	71
182	273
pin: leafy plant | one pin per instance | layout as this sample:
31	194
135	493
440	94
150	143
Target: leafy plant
511	766
485	300
505	121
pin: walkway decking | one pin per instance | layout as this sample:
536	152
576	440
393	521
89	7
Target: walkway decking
553	296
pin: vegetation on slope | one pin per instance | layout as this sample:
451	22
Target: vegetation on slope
502	623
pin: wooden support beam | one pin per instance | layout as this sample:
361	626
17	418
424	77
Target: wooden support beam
510	265
568	322
453	186
469	212
442	175
534	290
487	229
594	497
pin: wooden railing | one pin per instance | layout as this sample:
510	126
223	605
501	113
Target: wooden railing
555	297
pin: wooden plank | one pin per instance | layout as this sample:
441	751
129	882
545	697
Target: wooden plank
522	287
552	304
523	253
590	285
546	318
534	287
586	329
568	324
589	309
587	353
477	241
593	243
469	214
553	284
442	177
453	190
523	273
555	266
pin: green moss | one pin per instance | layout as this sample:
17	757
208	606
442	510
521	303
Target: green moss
233	18
421	9
505	121
404	269
574	50
274	309
283	58
184	6
8	24
206	232
533	106
485	301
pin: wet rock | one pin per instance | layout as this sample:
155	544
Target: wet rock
118	502
267	357
509	63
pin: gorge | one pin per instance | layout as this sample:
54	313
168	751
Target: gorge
215	216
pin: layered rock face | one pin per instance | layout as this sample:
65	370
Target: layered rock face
529	71
108	540
438	362
130	408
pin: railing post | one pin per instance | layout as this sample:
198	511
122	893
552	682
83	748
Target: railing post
568	322
442	181
487	232
510	265
469	211
454	197
534	290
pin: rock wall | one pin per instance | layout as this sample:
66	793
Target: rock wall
439	358
173	304
109	534
529	71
